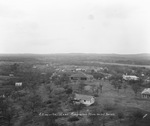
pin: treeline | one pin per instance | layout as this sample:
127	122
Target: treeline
65	58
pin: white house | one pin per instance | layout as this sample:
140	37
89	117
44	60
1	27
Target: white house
130	77
84	99
18	84
146	93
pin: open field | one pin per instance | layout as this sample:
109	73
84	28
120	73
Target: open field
120	64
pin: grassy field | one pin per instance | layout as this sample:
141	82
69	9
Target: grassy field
125	98
120	64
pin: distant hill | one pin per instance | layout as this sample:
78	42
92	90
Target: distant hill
137	59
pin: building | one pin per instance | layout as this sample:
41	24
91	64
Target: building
130	77
80	77
146	93
11	75
84	99
18	84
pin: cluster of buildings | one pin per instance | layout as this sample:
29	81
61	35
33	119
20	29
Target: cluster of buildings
80	98
82	73
73	68
76	74
146	92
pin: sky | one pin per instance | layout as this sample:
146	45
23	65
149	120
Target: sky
75	26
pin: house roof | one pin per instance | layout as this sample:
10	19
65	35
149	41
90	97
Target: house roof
133	76
83	97
18	82
130	76
146	91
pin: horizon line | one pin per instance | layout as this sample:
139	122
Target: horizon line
74	53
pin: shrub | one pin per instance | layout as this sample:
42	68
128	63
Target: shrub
136	116
109	106
120	115
72	119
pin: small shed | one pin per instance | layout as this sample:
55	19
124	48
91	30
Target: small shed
146	93
18	84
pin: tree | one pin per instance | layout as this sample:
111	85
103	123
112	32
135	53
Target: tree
64	78
125	86
117	85
97	91
14	67
7	91
93	88
69	91
98	75
108	106
7	112
103	119
31	103
100	87
59	94
94	117
81	85
116	77
114	83
78	107
120	115
56	98
73	119
135	116
135	88
49	88
57	81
